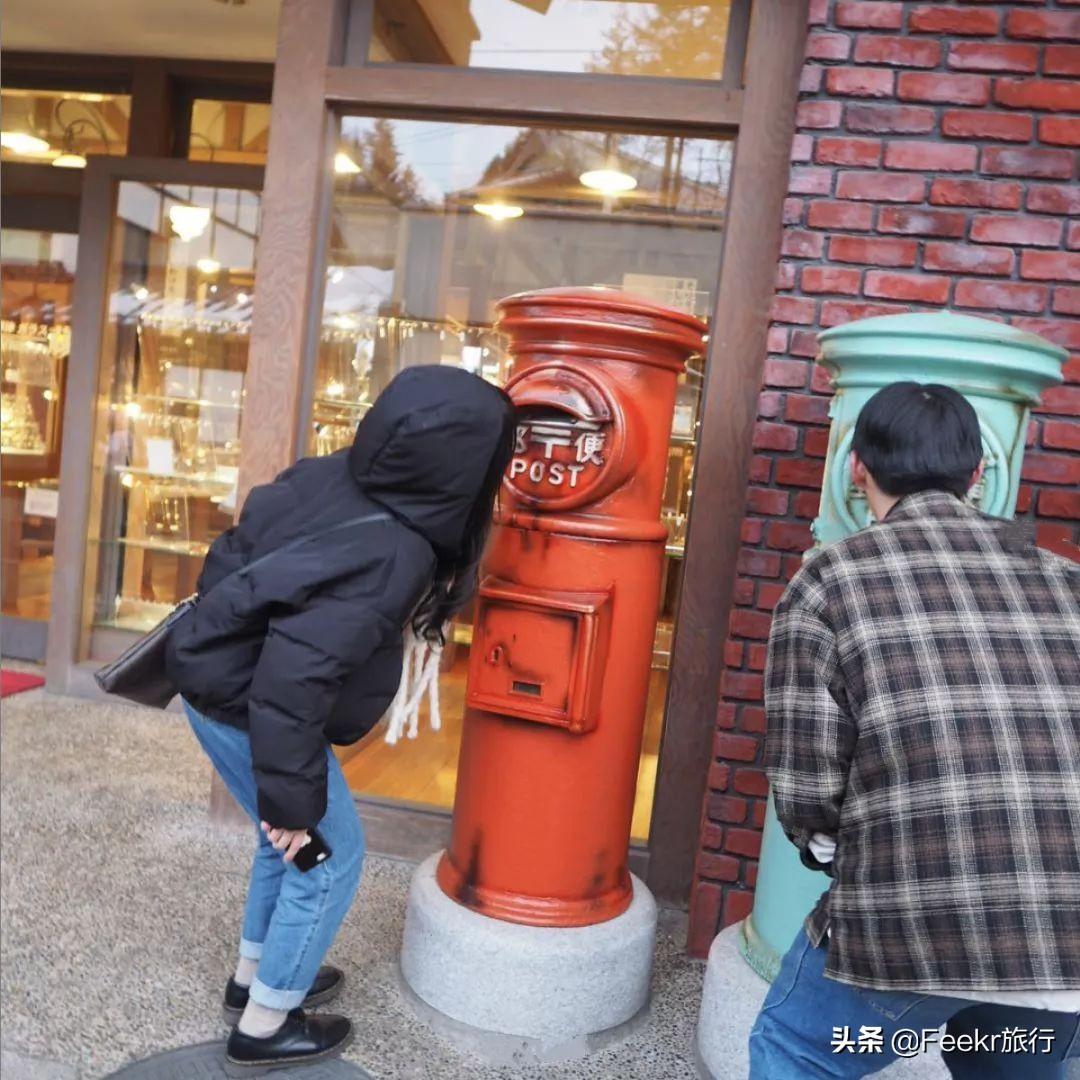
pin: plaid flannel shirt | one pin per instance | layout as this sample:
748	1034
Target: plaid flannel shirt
923	703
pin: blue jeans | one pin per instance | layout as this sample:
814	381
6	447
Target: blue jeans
807	1017
290	918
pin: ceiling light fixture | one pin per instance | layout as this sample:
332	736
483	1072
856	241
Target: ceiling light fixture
188	222
608	181
22	142
207	265
498	211
344	165
69	160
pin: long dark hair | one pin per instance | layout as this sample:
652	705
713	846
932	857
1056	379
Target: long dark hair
456	577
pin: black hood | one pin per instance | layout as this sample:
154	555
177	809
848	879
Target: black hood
424	448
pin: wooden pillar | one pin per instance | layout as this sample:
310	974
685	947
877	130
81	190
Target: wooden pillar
733	380
289	257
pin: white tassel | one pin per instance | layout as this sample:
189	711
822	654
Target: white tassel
419	676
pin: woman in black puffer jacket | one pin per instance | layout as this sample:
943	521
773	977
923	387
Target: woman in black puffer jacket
296	644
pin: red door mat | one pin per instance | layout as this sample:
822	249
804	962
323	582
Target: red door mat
15	682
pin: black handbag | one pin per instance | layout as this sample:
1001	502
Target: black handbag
139	674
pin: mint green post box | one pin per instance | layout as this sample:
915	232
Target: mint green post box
1002	371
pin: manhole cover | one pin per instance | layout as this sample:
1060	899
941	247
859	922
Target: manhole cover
206	1061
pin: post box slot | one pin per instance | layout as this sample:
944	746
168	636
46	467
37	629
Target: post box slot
538	654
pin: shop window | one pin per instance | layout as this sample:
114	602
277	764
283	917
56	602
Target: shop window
432	223
173	357
683	39
38	276
52	127
236	132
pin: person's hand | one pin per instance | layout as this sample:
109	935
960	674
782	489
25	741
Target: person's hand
289	841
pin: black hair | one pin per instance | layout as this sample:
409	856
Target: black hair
919	437
457	575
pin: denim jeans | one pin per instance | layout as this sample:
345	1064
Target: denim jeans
806	1016
290	918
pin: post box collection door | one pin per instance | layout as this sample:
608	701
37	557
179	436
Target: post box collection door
566	614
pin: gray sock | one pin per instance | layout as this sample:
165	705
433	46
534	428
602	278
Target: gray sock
259	1022
245	971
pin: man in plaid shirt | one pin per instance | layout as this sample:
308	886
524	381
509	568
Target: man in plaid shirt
923	703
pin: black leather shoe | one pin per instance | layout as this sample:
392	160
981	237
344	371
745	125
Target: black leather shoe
299	1041
327	985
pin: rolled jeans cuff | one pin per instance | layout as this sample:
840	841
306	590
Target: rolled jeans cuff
269	998
250	950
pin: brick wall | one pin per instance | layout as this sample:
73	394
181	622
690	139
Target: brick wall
933	165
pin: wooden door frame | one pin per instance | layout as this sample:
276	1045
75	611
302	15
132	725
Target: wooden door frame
65	669
322	71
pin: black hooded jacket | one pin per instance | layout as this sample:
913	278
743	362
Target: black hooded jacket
306	648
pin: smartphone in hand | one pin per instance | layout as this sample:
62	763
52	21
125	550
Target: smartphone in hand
311	854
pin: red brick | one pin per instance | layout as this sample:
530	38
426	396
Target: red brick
788	536
792	309
793	211
983	56
967	259
758	563
804	409
930	157
705	907
743	842
994	295
819	12
949	20
996	195
803	343
751	782
760	469
816	442
727	808
750	531
818	114
769	501
1063	332
880	187
831	279
821	380
752	718
735	747
1058	539
1064	400
839	215
744	591
1054	199
868	15
718	776
1017	161
859	82
750	624
733	651
824	46
946	89
873	250
920	222
800	244
898	51
838	151
774	436
751	871
770	403
1073	240
889	119
1061	435
799	472
718	867
776	339
1050	266
769	595
1066	300
1060	130
1061	60
1043	25
757	817
810	78
789	373
738	903
979	124
802	146
712	834
1015	229
835	312
1052	503
920	288
1048	94
1061	469
808	180
806	504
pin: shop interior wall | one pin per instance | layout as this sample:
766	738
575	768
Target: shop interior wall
933	166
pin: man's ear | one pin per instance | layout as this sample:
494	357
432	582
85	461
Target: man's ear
859	472
977	475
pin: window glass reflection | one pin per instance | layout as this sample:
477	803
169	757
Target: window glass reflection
237	132
59	128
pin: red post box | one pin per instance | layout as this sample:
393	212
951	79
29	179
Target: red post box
566	613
